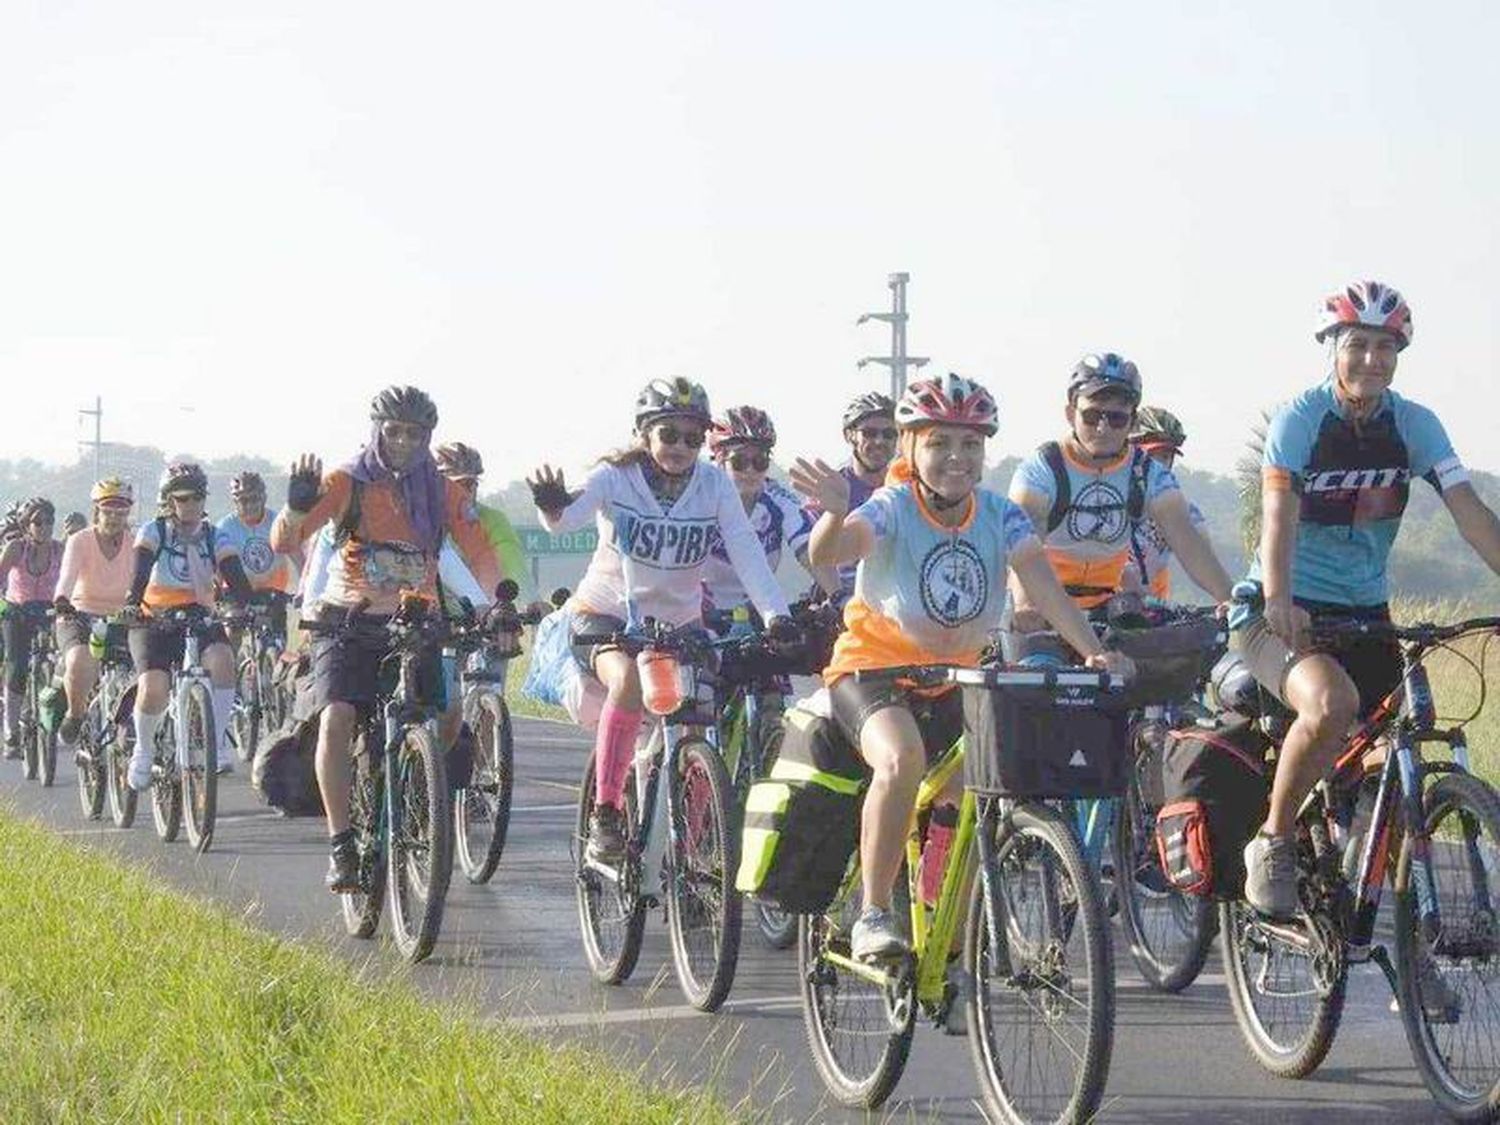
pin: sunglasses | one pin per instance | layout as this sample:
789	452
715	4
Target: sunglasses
877	433
750	460
199	496
1117	419
671	435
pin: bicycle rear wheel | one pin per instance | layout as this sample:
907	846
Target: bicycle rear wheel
1169	932
122	798
30	730
200	773
482	810
1456	970
611	912
245	720
1042	1005
421	843
361	909
166	783
91	760
704	910
46	740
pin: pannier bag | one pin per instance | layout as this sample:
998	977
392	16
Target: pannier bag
802	820
1170	660
1215	796
283	773
1045	741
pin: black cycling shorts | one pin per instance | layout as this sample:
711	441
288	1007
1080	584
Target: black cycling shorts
161	650
940	718
353	669
585	624
76	630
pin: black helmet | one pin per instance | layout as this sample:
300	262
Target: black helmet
868	406
671	398
75	521
404	404
246	484
183	476
1109	371
38	506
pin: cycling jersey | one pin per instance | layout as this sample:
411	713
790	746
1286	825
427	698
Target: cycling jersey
92	583
650	560
266	568
507	546
780	521
1152	556
1352	480
927	593
22	583
185	570
1089	547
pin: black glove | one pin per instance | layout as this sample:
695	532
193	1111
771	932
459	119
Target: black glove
302	491
63	607
784	633
551	496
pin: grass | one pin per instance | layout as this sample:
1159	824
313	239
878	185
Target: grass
121	1001
520	704
1456	686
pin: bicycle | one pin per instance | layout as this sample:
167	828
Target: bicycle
38	743
106	724
261	701
1288	979
481	809
1035	942
681	847
400	807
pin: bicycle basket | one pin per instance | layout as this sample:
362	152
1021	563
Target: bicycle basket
1030	742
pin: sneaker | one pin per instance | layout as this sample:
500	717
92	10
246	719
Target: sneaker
224	762
606	835
140	772
343	870
69	731
1271	875
877	936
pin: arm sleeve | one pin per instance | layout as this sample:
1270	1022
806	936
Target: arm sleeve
470	540
330	506
596	490
145	559
745	552
1431	452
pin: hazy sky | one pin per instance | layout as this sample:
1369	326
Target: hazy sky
235	222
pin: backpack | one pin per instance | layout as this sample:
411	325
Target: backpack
1215	794
161	538
802	820
1062	485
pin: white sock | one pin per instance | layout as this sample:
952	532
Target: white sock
145	732
223	705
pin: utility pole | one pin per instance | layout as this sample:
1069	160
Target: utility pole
98	415
898	361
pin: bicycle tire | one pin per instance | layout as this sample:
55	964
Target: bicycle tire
245	719
704	911
200	777
122	798
420	842
273	699
46	749
777	928
1069	908
29	729
166	784
1170	932
611	915
890	1014
90	759
491	784
361	909
1436	1046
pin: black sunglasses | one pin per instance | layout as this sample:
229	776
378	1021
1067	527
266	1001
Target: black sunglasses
745	460
1117	419
671	435
880	433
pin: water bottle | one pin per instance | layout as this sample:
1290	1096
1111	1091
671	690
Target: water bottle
662	688
98	629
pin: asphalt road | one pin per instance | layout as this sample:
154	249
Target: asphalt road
512	947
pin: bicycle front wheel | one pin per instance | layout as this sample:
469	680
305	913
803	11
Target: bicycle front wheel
116	754
166	783
611	912
245	719
1042	1001
361	909
421	842
46	740
91	765
200	772
1450	979
704	910
482	811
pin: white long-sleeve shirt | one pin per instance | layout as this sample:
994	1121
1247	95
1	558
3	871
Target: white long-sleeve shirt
666	550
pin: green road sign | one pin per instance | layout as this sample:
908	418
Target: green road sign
539	541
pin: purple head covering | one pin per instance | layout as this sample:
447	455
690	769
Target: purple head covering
421	486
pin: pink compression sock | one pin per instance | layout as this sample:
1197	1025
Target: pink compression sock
614	744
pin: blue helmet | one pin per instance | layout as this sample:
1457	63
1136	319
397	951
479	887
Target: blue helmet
1108	371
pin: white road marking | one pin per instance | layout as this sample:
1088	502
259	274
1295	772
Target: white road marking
642	1015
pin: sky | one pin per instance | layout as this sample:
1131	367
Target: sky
234	223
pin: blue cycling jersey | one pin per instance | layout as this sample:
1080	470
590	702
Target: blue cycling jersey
1353	481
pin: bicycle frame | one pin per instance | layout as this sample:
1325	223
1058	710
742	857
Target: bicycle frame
401	710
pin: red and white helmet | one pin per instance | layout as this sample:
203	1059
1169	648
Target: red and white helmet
741	425
949	400
1369	303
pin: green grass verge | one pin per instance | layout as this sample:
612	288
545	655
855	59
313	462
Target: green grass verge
121	1001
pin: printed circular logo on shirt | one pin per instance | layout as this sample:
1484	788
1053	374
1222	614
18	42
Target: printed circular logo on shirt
955	585
257	556
177	565
1097	514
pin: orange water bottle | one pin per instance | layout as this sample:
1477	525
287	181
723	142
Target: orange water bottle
661	687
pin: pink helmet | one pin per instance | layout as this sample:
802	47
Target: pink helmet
949	400
1369	303
741	425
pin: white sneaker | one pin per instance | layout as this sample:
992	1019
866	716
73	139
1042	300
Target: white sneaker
140	771
877	936
225	761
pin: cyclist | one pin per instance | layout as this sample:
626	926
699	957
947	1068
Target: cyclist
1086	493
1159	434
659	510
870	431
740	443
463	465
93	584
390	508
75	522
932	552
248	528
28	573
1338	464
179	561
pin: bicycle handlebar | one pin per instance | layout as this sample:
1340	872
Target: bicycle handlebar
1423	633
931	675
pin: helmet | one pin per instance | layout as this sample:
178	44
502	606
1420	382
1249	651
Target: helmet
1155	425
112	489
742	425
37	506
183	476
671	398
404	404
868	405
75	521
1096	372
1369	303
246	484
456	460
950	400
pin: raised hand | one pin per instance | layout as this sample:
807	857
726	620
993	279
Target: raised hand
304	484
824	485
549	492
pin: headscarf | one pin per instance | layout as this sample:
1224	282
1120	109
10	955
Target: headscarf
421	486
